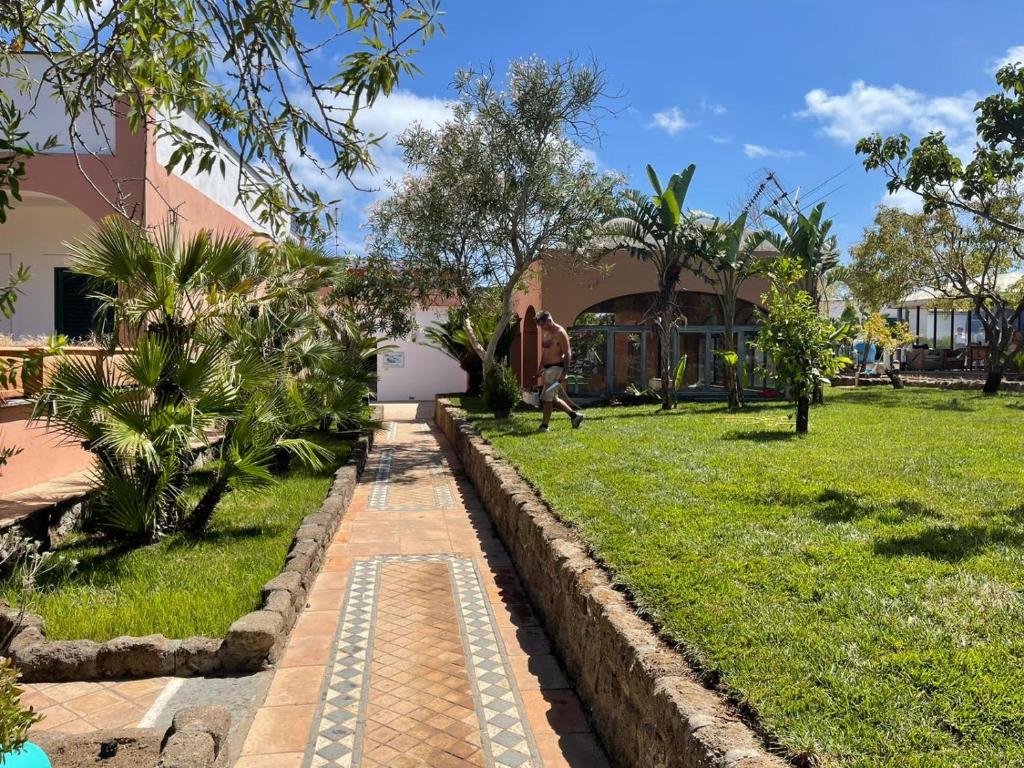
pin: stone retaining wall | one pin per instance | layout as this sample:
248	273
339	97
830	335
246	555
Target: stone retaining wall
645	701
253	642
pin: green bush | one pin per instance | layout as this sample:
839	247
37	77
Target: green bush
501	389
15	720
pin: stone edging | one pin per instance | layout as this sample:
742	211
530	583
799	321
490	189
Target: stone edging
197	738
253	642
645	700
922	382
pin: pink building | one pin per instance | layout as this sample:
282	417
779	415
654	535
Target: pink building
61	202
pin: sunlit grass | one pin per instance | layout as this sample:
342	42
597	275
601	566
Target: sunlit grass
862	588
184	585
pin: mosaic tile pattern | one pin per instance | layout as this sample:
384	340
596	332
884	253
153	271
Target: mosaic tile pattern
338	738
410	483
465	709
382	483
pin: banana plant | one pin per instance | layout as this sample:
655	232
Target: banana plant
657	229
727	260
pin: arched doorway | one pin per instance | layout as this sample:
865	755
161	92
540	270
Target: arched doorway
35	234
615	346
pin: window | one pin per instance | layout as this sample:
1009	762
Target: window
75	313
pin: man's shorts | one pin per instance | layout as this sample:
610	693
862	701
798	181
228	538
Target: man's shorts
551	375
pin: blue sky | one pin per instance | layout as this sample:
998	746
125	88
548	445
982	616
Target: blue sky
735	86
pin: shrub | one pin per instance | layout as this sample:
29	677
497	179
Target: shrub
15	720
501	389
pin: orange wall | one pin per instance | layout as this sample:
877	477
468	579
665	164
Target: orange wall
569	289
166	193
58	175
44	455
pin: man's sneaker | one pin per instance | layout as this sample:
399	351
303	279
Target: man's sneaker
577	419
543	428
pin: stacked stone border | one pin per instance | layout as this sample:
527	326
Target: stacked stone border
645	700
253	642
928	382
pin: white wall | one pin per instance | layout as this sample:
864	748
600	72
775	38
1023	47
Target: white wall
34	235
221	188
426	371
21	81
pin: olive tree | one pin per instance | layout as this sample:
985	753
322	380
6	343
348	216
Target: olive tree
965	261
502	183
276	77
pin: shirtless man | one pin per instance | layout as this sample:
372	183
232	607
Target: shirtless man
556	354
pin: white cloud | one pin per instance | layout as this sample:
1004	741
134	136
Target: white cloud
712	107
904	199
720	139
865	109
756	150
390	115
671	120
1014	55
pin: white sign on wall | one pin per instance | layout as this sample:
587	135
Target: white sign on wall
394	360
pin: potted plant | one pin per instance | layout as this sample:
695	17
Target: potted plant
15	720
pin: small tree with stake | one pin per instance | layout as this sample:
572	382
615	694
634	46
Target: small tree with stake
800	343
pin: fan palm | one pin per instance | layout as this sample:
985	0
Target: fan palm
450	337
657	229
185	379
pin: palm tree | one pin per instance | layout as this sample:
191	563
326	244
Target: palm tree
806	240
657	229
728	258
450	337
185	379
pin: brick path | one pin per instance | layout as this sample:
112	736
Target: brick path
418	647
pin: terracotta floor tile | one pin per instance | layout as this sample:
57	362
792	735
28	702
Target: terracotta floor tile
325	599
295	685
53	718
405	648
138	689
124	714
279	729
93	702
280	760
559	708
571	750
63	692
538	671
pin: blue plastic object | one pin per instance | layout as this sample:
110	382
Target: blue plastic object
29	756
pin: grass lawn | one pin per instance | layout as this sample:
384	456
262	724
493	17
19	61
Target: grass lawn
184	585
861	588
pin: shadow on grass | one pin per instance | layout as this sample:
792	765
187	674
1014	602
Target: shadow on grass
964	403
834	506
762	435
953	543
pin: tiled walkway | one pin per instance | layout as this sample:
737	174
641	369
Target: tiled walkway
86	707
418	647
